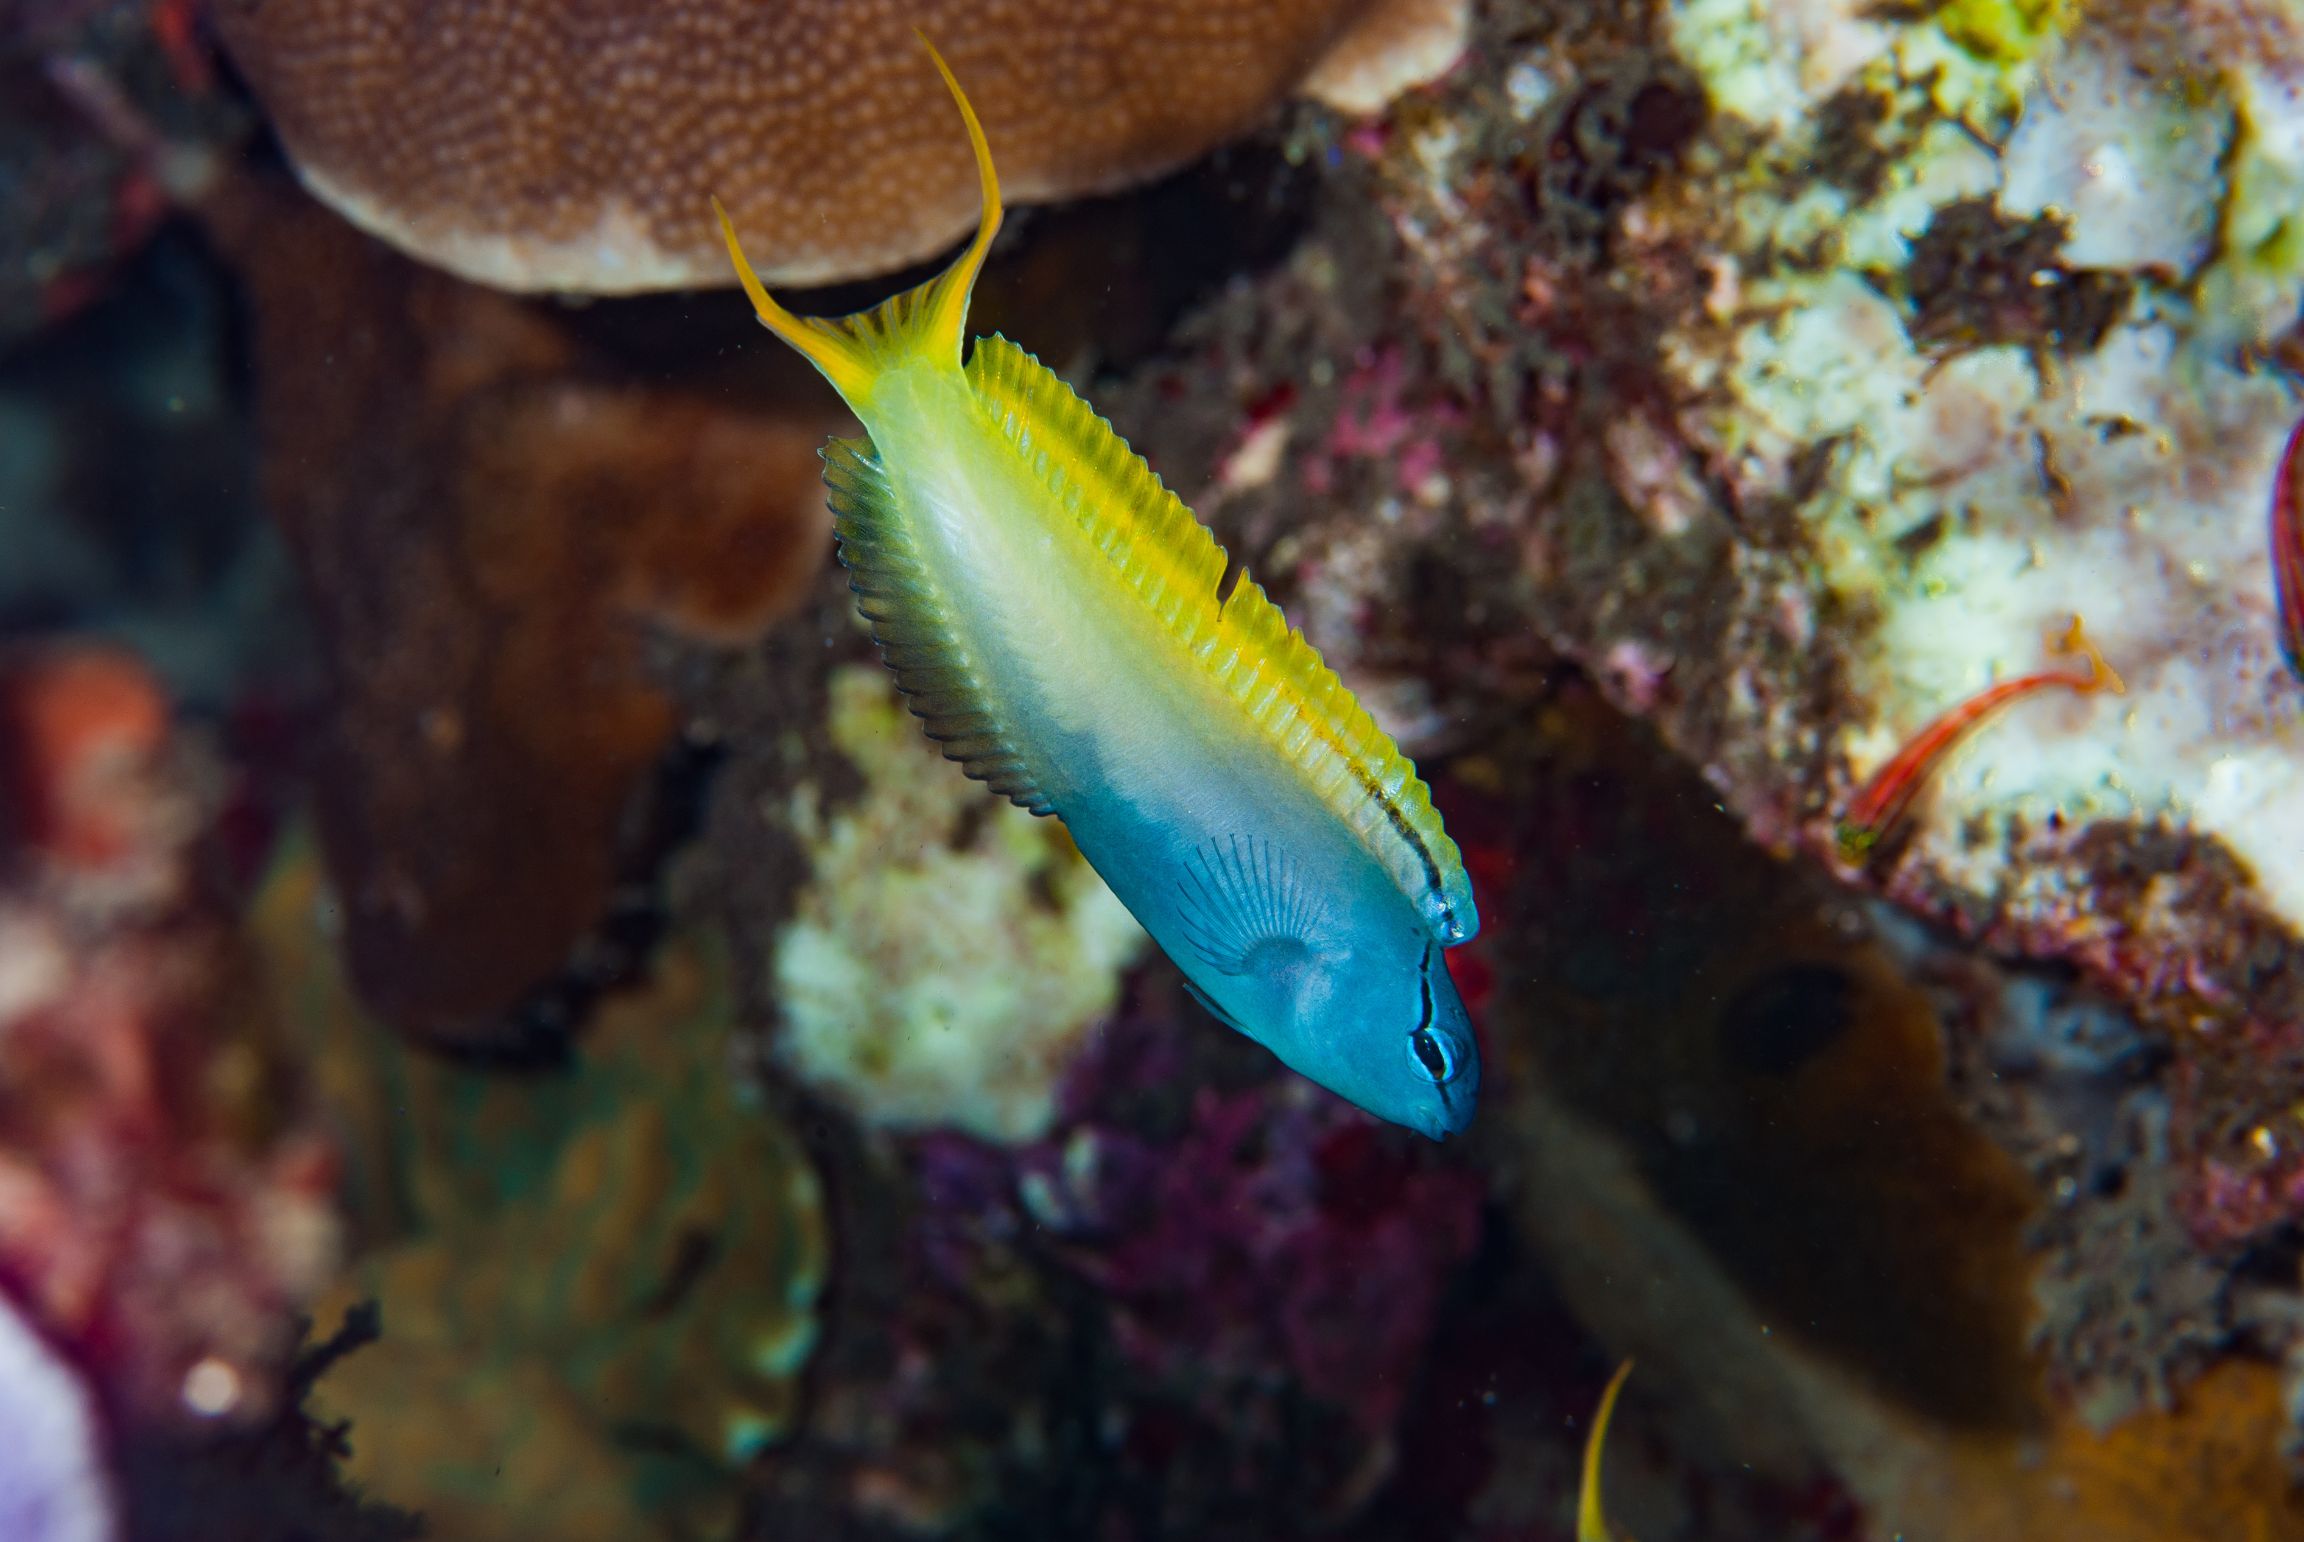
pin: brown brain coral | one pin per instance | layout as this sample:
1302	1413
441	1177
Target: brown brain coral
534	144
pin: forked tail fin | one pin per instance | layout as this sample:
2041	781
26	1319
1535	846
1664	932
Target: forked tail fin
852	351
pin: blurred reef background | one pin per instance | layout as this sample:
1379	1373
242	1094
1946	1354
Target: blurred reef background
507	1030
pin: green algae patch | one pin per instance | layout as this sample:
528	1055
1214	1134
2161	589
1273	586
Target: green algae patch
598	1285
2007	31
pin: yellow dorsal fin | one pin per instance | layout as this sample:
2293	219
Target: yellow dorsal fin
945	297
1240	639
925	322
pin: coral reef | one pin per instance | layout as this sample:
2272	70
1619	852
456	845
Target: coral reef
1839	361
164	1209
521	145
1674	423
1757	370
490	517
1200	1305
1795	1152
966	1024
597	1287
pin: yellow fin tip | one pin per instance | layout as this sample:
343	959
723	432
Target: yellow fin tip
1591	1521
825	348
951	290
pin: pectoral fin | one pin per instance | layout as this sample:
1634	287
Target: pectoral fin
1243	908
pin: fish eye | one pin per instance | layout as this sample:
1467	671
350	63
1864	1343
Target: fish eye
1434	1057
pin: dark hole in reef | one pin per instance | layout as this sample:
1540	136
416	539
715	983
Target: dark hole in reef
1608	147
537	1036
2274	1260
1849	152
1102	278
1856	1206
1779	1023
1663	116
168	547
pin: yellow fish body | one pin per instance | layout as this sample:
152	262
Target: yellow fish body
1054	615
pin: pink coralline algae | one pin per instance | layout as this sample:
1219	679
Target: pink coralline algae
161	1219
1375	423
1278	1233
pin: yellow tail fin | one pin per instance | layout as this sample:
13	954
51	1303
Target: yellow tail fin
852	350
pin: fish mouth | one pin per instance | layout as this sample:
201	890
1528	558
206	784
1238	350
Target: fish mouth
1452	1114
1450	1118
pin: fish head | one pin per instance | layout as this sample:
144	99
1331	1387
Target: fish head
1389	1032
1345	983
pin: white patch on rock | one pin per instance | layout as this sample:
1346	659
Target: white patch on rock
968	1023
1396	46
2129	483
1771	61
2120	152
2130	487
619	255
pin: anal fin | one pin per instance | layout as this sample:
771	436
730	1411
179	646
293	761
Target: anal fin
1208	1005
900	596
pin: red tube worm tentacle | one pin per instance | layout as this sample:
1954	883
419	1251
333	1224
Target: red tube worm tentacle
1884	798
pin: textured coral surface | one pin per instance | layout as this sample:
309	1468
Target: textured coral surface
1895	343
533	146
1798	382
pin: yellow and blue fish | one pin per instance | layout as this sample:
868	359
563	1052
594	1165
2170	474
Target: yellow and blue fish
1059	620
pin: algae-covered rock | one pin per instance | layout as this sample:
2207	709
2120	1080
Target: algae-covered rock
598	1287
1840	356
949	951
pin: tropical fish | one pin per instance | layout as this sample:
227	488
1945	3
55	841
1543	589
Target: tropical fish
1887	795
1059	620
2288	550
1591	1521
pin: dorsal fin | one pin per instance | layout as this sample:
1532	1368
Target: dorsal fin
923	322
900	596
1242	640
